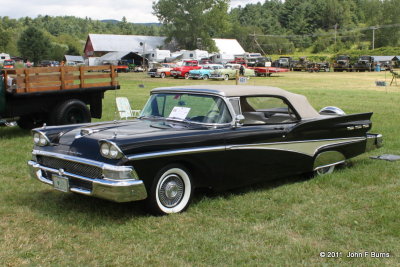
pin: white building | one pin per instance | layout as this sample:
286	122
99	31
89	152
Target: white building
194	54
4	56
228	46
158	55
221	58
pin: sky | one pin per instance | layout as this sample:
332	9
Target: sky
136	11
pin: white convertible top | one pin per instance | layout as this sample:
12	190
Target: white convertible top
299	102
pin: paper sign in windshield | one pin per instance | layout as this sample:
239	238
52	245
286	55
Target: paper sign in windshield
179	113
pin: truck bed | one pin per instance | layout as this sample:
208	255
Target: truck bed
56	79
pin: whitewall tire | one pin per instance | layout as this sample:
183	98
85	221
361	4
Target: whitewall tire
171	191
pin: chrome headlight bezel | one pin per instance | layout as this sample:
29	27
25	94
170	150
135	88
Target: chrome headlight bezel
40	138
110	150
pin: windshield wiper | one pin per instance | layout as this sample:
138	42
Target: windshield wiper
151	117
179	120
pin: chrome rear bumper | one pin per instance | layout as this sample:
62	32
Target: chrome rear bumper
374	141
123	190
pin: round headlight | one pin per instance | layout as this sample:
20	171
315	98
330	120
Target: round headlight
105	150
113	152
42	140
36	138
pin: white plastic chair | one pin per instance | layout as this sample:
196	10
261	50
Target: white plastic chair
124	108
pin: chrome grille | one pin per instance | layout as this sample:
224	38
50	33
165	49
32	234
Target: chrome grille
71	167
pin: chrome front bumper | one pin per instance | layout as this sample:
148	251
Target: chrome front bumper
216	76
123	190
195	76
155	74
374	141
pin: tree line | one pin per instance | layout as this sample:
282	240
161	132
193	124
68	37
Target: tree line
281	27
271	27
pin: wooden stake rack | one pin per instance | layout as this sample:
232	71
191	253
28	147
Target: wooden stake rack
41	79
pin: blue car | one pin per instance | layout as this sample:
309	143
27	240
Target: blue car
205	72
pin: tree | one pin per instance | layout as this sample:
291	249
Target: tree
34	45
193	24
5	38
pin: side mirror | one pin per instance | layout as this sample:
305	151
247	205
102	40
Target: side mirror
239	120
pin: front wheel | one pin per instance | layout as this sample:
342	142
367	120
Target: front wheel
187	76
171	190
205	77
226	77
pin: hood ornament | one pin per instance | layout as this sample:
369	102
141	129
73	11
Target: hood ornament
85	131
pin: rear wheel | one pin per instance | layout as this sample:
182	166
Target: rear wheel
70	112
226	77
187	75
171	190
325	170
205	77
162	75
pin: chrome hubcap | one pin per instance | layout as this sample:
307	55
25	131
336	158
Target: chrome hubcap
171	190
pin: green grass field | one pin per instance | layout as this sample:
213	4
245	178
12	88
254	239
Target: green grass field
282	223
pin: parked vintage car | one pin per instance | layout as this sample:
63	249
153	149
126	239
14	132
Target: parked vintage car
267	71
364	63
342	63
205	71
8	64
229	72
161	70
209	136
183	71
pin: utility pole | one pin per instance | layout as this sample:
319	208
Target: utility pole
255	41
373	36
199	43
335	32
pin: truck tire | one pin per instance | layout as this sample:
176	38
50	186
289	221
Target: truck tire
29	122
71	111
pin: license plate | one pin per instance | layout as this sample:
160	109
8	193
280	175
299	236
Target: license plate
61	183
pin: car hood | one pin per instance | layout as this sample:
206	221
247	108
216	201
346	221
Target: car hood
133	136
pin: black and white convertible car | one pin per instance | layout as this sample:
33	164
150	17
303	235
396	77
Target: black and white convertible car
210	136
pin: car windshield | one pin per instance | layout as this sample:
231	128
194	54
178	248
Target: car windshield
187	107
189	64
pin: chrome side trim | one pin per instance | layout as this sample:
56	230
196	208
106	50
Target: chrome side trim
328	165
177	152
307	147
